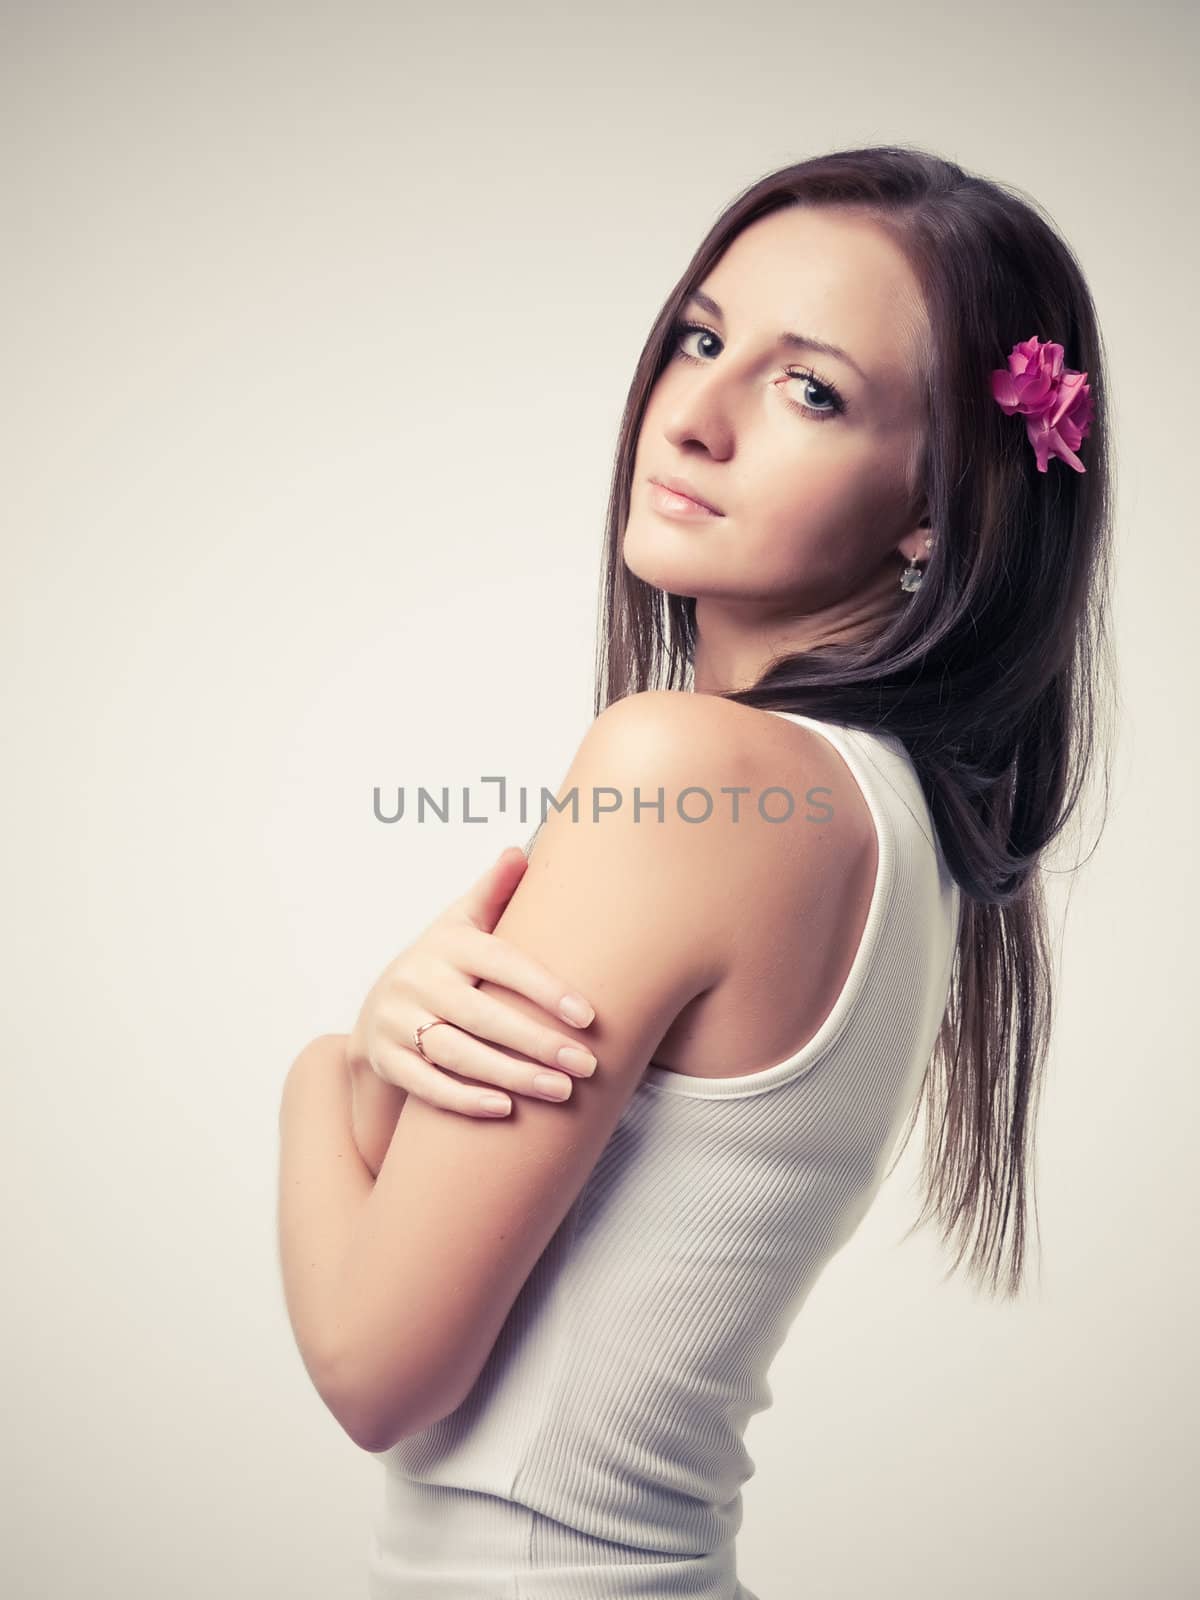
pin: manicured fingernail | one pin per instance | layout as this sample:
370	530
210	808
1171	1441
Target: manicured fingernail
576	1060
494	1102
575	1008
552	1083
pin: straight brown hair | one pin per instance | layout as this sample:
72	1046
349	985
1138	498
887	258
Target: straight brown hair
990	673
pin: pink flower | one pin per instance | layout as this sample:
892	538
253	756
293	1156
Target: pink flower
1055	401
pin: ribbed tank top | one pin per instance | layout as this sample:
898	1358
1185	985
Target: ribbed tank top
617	1395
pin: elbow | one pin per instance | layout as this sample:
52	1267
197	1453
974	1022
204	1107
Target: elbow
343	1404
377	1423
374	1430
360	1416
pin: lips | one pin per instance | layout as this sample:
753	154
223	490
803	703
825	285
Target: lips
683	487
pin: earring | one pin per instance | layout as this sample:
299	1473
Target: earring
911	577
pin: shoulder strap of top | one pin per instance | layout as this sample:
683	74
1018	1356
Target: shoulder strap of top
889	760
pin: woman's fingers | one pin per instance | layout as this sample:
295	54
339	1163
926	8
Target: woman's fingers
405	1068
454	1046
444	989
491	1020
484	902
438	977
491	957
454	1057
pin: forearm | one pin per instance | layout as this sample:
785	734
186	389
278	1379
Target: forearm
376	1108
324	1184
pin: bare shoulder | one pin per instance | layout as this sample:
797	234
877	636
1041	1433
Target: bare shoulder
757	798
787	765
617	840
697	748
672	725
784	823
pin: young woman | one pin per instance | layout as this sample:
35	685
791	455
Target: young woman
876	621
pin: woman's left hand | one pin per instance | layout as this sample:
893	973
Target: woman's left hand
436	976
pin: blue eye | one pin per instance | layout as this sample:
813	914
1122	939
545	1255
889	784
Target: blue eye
837	404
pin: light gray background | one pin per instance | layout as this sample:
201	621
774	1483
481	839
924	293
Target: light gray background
317	322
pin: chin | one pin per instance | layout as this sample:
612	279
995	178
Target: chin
663	564
675	577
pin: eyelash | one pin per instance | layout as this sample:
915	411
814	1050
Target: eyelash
839	408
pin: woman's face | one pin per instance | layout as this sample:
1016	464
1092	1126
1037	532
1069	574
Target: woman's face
812	473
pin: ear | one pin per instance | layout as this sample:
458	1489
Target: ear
918	543
917	546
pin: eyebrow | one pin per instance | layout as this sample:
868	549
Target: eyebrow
797	341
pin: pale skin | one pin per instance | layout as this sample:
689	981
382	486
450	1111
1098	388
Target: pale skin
437	1230
437	973
820	516
821	510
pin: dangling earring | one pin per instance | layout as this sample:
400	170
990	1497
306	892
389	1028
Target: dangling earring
910	578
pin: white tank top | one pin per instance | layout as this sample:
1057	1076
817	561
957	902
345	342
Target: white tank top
617	1395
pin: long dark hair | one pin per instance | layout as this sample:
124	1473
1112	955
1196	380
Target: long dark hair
988	673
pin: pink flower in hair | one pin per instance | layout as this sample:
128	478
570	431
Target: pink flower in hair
1055	401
